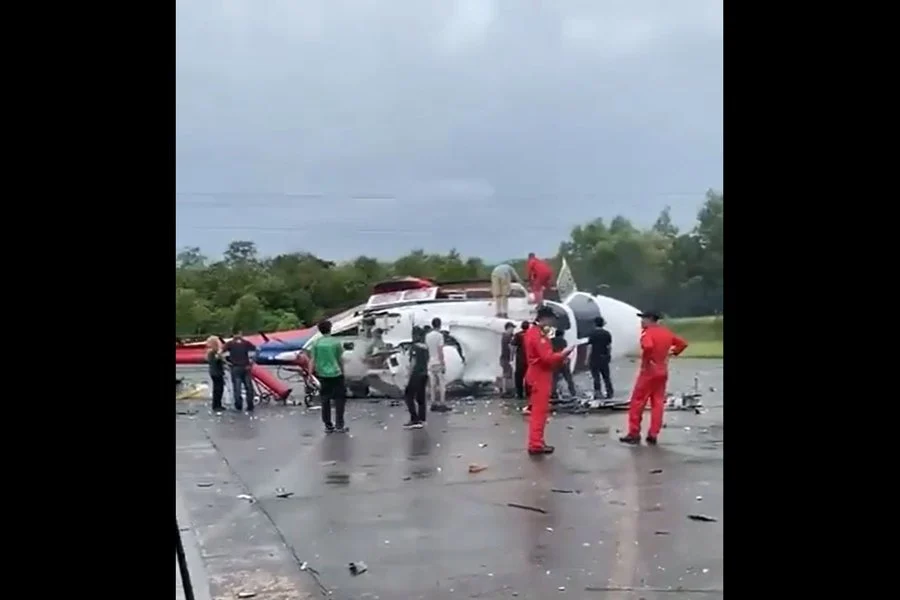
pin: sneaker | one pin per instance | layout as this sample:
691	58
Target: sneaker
218	409
412	425
329	429
651	440
632	440
341	429
545	450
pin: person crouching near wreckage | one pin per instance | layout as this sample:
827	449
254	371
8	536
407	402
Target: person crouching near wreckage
657	345
418	379
542	364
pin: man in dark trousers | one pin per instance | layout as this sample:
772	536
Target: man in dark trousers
563	372
240	353
326	355
418	380
600	342
521	363
506	369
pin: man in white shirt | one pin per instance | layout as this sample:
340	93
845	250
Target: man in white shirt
437	383
501	280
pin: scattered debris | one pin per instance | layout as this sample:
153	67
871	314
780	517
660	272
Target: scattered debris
661	532
247	497
562	491
407	478
597	430
282	493
656	471
205	484
526	507
482	445
474	468
702	518
358	568
698	498
246	594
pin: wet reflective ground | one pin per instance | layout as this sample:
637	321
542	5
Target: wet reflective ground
615	523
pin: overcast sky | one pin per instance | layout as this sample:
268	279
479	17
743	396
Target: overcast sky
348	127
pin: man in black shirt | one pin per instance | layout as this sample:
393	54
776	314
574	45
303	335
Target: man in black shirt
601	350
239	353
418	379
521	364
506	370
558	343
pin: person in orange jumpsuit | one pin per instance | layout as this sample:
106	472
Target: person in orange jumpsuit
542	363
657	344
540	276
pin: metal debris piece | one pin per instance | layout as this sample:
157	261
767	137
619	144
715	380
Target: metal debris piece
475	468
482	445
597	430
407	478
702	518
655	471
526	507
282	493
661	532
358	568
246	497
562	491
246	594
205	484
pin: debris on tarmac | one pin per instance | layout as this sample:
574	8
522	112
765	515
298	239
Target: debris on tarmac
563	491
246	594
482	445
475	468
282	493
703	518
526	507
205	484
655	471
247	497
597	430
358	568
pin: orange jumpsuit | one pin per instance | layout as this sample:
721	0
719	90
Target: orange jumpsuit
657	343
539	275
542	363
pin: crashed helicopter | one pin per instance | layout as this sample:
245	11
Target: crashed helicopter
377	334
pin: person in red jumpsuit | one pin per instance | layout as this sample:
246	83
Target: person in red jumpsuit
657	345
542	363
540	275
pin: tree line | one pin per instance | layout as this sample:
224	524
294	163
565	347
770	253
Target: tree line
678	273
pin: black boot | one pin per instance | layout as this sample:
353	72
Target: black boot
632	440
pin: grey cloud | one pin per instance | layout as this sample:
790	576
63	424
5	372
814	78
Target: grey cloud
462	113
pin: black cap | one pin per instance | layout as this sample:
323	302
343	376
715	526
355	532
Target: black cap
650	314
545	312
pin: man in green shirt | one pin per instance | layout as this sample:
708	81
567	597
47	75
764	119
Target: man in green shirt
325	354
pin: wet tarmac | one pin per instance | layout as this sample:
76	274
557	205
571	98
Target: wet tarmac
613	521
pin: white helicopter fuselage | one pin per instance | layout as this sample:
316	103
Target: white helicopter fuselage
472	332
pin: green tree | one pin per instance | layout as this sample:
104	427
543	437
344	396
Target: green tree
676	272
